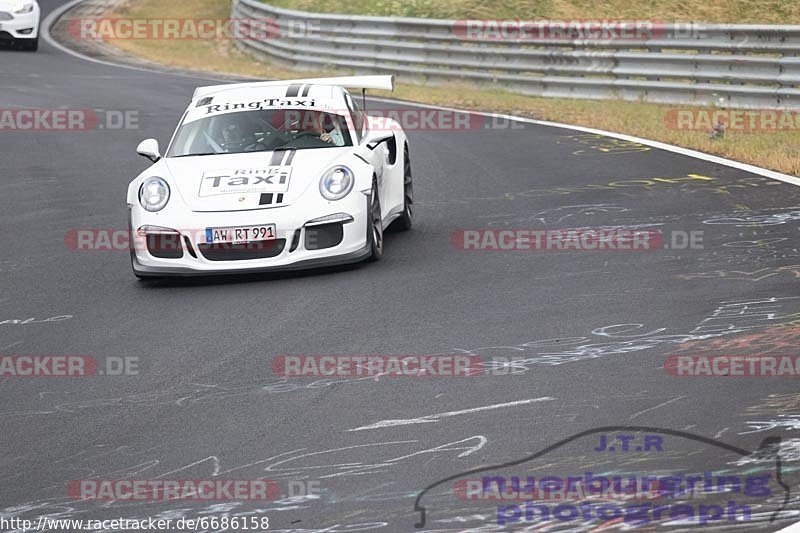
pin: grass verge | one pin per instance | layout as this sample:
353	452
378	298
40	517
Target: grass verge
776	150
723	11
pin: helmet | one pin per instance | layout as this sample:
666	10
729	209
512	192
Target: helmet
233	137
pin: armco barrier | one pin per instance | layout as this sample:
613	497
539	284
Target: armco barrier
729	65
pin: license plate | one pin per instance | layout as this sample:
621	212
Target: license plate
240	234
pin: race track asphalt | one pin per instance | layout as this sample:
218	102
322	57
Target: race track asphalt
593	328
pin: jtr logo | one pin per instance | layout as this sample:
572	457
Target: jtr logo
623	443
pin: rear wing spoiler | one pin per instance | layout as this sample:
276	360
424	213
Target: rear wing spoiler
383	83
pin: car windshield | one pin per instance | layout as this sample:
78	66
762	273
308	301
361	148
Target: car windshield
260	131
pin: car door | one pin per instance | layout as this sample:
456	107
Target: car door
379	157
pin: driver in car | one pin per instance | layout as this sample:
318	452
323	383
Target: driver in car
232	136
320	124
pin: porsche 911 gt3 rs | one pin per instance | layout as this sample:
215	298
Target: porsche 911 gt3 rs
271	176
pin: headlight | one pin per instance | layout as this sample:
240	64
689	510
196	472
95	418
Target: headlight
27	8
154	194
336	183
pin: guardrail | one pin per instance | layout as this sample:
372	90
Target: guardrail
728	65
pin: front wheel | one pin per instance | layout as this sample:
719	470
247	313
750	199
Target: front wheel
375	225
405	221
31	45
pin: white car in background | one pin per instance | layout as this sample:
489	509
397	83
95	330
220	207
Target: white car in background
19	23
270	176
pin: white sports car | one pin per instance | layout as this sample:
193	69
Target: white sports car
271	176
19	22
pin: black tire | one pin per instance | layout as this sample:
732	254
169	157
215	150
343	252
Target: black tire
31	45
375	225
406	220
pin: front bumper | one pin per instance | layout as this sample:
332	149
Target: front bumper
292	250
20	26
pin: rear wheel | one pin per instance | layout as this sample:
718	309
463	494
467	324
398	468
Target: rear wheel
404	222
375	225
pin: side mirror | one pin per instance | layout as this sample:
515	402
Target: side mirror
149	149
